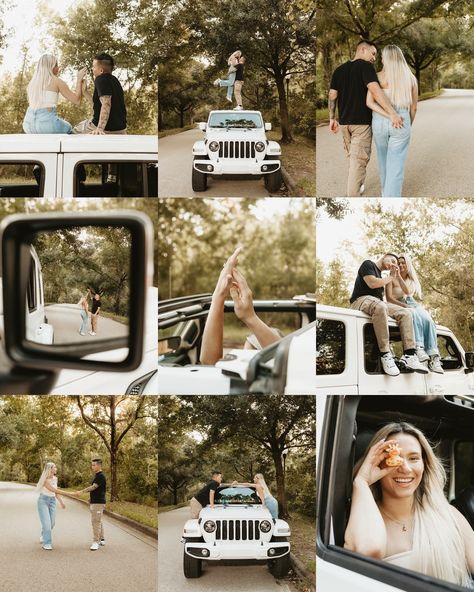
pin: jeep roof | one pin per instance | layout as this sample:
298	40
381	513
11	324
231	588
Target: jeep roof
46	143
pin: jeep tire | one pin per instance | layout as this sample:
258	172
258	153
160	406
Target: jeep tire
273	181
199	180
280	566
192	567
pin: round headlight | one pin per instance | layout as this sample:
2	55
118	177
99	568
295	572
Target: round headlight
265	526
259	146
209	526
214	146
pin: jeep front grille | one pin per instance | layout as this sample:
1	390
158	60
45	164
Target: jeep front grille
237	530
237	149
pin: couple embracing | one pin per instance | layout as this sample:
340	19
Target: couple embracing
379	105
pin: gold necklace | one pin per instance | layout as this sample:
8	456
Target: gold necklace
402	524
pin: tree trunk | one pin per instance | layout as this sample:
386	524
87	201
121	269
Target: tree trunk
280	482
286	137
181	117
113	453
175	495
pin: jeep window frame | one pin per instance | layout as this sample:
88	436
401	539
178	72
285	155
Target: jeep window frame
236	114
343	346
32	162
142	163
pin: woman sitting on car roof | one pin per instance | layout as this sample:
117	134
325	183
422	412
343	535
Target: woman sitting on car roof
399	512
232	282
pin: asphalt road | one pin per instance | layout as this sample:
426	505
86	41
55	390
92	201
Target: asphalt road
127	562
66	320
175	153
440	156
216	577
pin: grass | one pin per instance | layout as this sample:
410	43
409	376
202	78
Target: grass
303	540
147	515
299	159
174	130
322	115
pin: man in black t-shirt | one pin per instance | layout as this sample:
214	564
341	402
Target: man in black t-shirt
367	296
205	496
349	86
95	310
238	83
97	490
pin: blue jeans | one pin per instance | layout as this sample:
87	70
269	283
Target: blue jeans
47	514
45	121
424	326
229	83
392	148
272	506
85	318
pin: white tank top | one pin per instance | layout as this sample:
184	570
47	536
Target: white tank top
54	483
49	100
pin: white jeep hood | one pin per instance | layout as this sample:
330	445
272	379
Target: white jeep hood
235	512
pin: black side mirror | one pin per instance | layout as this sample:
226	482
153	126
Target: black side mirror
469	362
61	269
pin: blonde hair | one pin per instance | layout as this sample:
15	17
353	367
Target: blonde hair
45	475
41	79
261	481
437	536
400	79
412	275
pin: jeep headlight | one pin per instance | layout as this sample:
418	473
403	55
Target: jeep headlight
214	146
209	526
259	146
265	526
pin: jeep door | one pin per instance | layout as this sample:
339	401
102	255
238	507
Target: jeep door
28	174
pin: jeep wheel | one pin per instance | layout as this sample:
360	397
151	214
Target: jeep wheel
192	567
273	181
199	180
279	567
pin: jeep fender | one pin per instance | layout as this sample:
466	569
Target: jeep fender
281	529
199	148
191	529
273	148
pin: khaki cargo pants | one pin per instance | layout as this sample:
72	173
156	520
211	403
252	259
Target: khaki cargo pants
358	145
97	510
194	507
238	92
379	311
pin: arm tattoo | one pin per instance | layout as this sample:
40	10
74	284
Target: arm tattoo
332	108
104	111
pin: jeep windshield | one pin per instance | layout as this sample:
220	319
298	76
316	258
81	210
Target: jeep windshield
236	495
235	120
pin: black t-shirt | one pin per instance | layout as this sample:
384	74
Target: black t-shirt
95	305
351	80
98	495
108	85
360	287
202	495
239	72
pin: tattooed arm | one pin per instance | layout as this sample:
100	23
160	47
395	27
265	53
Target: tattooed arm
332	102
106	101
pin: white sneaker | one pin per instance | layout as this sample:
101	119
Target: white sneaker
111	179
413	363
92	333
81	333
48	547
41	539
102	542
94	546
238	108
422	355
388	365
361	189
216	82
229	99
435	365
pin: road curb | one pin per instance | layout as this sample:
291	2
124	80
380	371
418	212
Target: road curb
148	530
302	572
288	180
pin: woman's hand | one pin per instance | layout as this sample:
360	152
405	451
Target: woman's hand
62	504
370	471
242	297
81	74
224	281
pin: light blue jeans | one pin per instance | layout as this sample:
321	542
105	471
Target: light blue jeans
45	121
47	514
392	148
229	83
85	318
424	326
272	506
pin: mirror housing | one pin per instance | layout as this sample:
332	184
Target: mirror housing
268	126
17	233
469	362
202	126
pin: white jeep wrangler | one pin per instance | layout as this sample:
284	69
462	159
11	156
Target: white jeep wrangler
236	144
238	527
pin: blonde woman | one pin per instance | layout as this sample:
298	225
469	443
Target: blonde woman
43	95
263	493
84	306
399	514
402	291
47	487
400	85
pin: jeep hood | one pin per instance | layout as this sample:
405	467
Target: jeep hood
235	512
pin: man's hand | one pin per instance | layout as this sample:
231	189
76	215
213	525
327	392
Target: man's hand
242	297
397	120
225	277
334	126
97	132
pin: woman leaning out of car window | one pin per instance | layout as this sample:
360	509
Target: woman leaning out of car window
399	512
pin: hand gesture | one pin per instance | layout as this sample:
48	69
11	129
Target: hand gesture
242	297
397	120
98	132
370	470
225	277
81	73
63	505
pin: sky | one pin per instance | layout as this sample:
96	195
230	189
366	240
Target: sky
21	18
